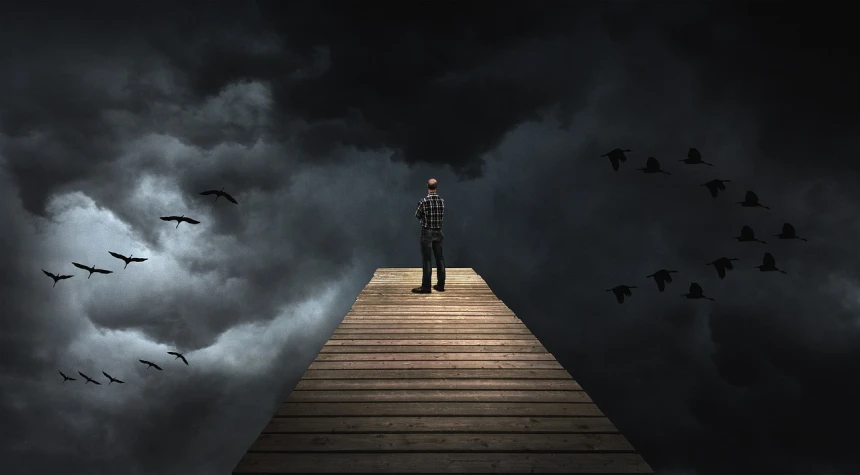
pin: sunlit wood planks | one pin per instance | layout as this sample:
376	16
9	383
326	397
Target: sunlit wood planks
447	382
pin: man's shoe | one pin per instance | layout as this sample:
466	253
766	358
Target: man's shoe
420	290
439	289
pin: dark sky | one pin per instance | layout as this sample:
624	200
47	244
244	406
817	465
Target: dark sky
326	119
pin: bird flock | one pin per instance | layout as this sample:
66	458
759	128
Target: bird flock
56	277
723	264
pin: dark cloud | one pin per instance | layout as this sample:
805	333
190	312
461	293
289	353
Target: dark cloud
325	119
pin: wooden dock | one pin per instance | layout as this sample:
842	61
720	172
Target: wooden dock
447	382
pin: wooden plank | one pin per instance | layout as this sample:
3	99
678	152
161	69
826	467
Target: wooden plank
383	320
435	357
376	409
437	373
440	384
537	348
519	329
346	365
438	395
433	342
566	425
457	325
480	462
432	336
441	443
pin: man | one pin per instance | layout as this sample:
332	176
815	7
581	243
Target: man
430	210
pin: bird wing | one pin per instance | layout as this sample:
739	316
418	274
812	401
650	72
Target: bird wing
103	271
661	285
191	221
65	277
61	374
619	297
80	266
183	360
627	291
138	259
768	260
169	218
49	274
750	196
107	375
118	256
695	288
787	228
721	271
652	162
230	199
144	361
209	192
156	366
694	154
729	265
173	353
668	277
747	232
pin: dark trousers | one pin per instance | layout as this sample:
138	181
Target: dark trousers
431	241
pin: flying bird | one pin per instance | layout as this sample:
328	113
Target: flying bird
694	157
128	260
89	379
751	201
150	364
696	292
91	269
220	193
66	378
621	291
178	355
652	166
716	185
180	219
662	277
748	235
616	157
722	265
788	232
768	264
112	379
56	277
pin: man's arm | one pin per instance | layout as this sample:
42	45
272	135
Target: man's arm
419	213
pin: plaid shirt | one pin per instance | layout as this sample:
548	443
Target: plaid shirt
430	210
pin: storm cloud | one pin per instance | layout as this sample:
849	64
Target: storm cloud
325	119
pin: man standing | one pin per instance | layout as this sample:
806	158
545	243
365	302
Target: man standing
430	210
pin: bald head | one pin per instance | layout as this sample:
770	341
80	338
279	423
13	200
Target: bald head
432	184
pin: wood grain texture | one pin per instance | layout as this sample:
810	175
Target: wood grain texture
449	382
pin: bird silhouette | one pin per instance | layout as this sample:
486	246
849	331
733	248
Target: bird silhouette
89	379
91	269
112	379
748	235
652	166
150	364
788	232
66	378
768	264
180	219
56	277
696	292
722	265
128	260
178	355
616	157
220	193
621	291
694	157
715	186
662	277
751	201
